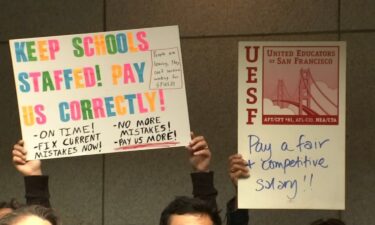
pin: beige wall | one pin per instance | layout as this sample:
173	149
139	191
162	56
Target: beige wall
133	188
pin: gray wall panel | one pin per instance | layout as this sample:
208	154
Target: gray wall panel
30	18
11	182
221	17
360	129
76	188
138	185
357	15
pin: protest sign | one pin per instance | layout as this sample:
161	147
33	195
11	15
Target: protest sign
100	93
291	124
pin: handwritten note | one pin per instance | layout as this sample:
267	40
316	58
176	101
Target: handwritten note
166	69
291	124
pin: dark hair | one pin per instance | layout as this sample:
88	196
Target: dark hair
328	222
33	210
185	205
12	204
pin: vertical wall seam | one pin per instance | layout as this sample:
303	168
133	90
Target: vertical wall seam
103	189
103	156
339	19
339	38
104	15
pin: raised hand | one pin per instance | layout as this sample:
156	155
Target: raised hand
199	153
237	168
26	168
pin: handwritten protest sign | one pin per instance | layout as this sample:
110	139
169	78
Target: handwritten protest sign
101	92
291	124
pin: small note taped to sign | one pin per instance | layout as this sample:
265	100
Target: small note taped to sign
166	69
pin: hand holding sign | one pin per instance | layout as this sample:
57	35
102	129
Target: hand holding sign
237	168
200	155
27	168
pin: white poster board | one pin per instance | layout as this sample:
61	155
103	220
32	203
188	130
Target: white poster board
291	124
100	93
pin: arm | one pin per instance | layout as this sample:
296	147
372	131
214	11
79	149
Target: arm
36	184
237	169
202	177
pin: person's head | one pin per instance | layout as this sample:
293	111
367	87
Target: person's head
189	211
31	215
328	222
8	207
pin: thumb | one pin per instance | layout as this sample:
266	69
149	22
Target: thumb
192	135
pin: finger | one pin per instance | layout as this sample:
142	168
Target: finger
20	142
200	145
235	156
193	151
239	174
19	154
18	160
237	161
19	148
189	146
192	135
238	167
205	152
243	170
196	139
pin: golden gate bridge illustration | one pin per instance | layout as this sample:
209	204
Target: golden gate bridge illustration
302	97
